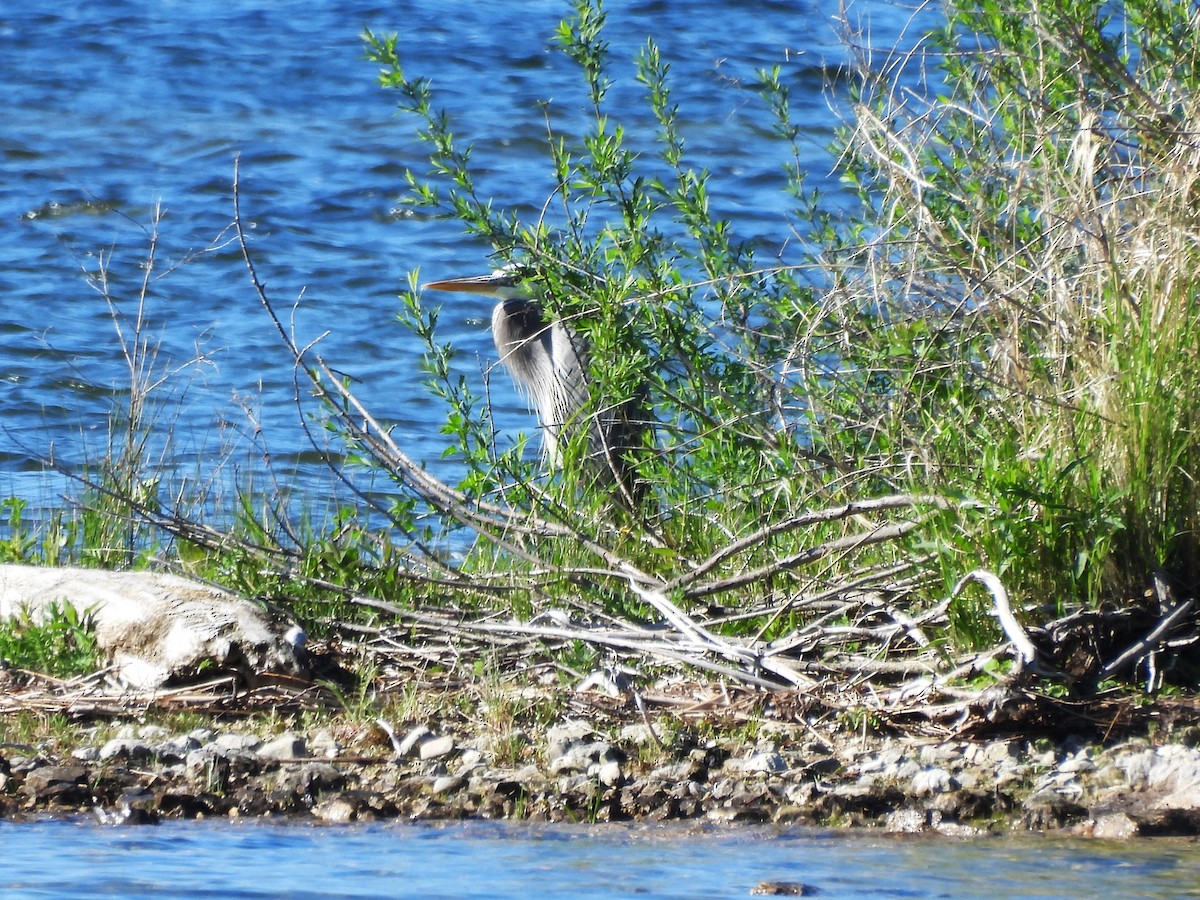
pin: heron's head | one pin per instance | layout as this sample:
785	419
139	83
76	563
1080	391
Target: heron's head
506	283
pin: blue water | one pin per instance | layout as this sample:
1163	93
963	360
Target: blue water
113	110
486	860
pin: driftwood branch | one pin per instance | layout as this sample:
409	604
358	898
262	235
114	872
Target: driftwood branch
1027	655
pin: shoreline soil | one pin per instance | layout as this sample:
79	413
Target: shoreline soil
593	758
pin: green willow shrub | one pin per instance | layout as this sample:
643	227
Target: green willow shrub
682	314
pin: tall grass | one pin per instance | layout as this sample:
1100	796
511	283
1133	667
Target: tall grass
1038	229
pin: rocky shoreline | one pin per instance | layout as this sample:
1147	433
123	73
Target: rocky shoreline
574	770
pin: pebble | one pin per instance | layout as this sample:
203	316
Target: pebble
932	781
610	774
287	746
435	747
764	762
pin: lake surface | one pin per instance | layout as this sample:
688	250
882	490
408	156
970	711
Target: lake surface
115	110
487	860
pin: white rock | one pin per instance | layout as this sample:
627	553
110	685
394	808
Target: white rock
468	760
610	774
764	762
1172	771
435	747
1116	826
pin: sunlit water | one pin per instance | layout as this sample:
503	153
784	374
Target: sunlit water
197	860
113	109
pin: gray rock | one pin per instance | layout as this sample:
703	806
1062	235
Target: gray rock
676	773
177	748
581	757
468	760
638	733
40	777
287	746
527	775
311	779
236	742
126	748
932	781
561	738
324	744
769	762
1078	763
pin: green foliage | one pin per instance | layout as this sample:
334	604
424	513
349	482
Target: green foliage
682	314
60	645
1038	215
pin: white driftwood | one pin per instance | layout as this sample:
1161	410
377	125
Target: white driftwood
153	626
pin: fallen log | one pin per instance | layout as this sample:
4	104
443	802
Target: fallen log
156	628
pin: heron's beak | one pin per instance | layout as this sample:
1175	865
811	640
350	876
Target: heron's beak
494	283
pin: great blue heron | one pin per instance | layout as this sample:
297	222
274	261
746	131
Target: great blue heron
549	363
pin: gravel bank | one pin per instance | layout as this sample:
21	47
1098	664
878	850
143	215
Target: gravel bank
575	770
